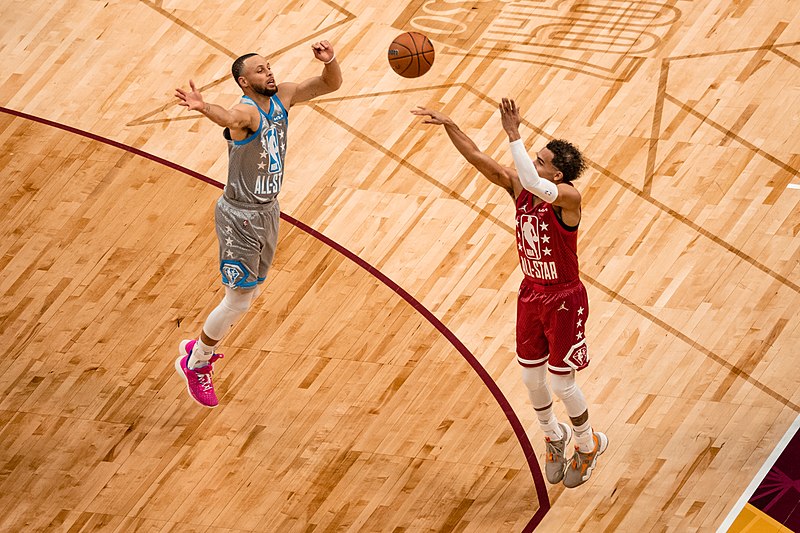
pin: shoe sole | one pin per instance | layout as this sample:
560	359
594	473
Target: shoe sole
179	368
602	441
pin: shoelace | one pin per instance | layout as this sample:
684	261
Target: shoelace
553	450
204	378
205	381
583	458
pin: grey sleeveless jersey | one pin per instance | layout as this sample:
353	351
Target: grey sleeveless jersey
255	164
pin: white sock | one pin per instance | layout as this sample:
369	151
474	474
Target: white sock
549	423
584	437
201	353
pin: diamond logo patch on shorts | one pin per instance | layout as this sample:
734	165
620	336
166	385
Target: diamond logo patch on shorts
232	273
578	355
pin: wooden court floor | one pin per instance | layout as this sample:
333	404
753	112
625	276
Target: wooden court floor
387	398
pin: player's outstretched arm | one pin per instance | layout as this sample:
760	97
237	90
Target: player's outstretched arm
494	171
562	195
327	82
236	118
528	176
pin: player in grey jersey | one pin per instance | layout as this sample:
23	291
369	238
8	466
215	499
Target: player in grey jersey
247	213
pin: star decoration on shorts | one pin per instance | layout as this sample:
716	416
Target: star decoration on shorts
547	251
579	335
580	310
580	322
228	230
281	134
229	241
228	253
545	239
543	226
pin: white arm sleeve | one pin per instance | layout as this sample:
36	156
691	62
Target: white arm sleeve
530	179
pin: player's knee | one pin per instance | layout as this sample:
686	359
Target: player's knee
237	301
535	378
564	386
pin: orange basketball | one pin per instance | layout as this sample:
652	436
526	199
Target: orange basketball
411	54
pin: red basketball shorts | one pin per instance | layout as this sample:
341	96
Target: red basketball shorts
550	326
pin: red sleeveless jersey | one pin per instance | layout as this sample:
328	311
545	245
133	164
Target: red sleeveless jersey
548	252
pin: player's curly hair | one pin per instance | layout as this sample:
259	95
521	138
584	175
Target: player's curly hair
238	67
567	158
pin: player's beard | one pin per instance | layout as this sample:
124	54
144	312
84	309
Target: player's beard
266	92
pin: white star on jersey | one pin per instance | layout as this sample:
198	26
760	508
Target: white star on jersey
229	241
261	166
547	251
228	253
263	154
580	323
543	226
579	335
228	230
545	239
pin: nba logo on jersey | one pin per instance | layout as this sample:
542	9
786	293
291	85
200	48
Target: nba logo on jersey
529	228
271	140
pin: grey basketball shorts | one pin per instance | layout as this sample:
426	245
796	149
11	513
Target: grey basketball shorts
247	235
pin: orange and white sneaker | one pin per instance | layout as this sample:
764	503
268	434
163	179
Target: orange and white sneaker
581	465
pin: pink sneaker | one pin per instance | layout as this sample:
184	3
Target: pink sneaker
198	381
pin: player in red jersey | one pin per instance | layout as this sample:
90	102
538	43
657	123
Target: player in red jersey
552	306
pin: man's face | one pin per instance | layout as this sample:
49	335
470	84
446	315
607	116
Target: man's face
544	166
258	76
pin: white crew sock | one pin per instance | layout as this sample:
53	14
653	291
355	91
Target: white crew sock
201	353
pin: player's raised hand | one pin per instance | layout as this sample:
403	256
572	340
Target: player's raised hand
509	116
323	51
434	117
191	99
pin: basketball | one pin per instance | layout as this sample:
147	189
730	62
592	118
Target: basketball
411	54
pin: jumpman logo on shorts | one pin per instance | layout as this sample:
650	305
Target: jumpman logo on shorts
562	308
